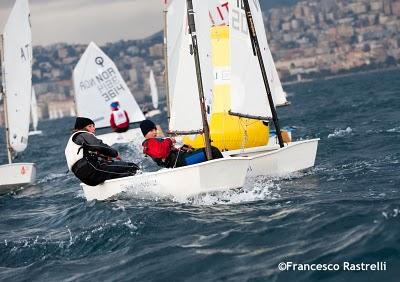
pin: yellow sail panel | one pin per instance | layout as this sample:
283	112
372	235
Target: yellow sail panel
227	132
230	133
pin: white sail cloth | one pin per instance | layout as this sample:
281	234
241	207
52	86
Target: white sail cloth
219	15
34	110
183	90
275	85
249	95
153	90
248	91
17	74
97	83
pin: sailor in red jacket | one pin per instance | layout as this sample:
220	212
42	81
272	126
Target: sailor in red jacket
119	120
165	154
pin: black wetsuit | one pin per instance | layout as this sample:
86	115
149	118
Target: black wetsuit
94	168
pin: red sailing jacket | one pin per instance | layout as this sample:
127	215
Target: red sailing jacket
121	121
157	148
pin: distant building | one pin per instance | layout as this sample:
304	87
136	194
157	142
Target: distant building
396	8
156	50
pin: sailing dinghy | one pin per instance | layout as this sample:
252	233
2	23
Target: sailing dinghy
97	83
190	103
34	115
253	97
154	96
238	79
16	62
230	132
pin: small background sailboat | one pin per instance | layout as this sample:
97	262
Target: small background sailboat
97	83
154	97
16	61
34	115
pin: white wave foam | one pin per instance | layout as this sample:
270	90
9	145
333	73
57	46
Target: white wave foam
51	177
255	189
391	214
395	130
341	132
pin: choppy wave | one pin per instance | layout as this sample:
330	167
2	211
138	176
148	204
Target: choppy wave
344	209
341	132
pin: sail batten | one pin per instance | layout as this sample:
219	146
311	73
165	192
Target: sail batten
97	83
17	76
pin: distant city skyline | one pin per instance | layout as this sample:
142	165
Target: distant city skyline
83	21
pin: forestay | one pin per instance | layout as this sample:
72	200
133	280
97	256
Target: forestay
97	83
17	71
184	99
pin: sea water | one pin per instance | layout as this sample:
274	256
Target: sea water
305	227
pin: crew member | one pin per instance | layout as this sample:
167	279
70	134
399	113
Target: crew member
165	154
90	159
119	120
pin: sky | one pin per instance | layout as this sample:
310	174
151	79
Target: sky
82	21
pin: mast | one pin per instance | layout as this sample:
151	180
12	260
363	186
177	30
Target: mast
2	88
257	51
192	31
166	60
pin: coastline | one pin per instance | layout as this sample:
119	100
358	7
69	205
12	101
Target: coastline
330	77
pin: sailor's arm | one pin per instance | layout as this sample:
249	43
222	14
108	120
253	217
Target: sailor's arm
95	144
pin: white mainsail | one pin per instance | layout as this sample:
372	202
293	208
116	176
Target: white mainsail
34	111
278	94
248	91
183	90
17	74
97	83
153	90
219	15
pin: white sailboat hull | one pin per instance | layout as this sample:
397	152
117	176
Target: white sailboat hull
15	175
274	161
123	137
180	183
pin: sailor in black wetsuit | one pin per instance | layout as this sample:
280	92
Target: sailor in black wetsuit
90	159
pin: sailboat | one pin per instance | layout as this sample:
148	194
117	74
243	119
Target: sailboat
34	115
154	96
230	132
190	98
98	83
16	62
238	82
252	94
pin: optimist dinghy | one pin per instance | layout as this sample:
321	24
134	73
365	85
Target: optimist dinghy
16	62
191	95
97	83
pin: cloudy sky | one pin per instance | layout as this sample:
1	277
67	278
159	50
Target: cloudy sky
82	21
